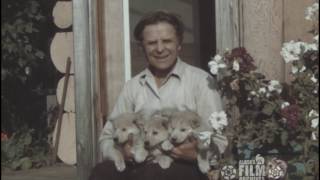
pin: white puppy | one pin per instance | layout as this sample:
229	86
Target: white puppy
156	134
127	129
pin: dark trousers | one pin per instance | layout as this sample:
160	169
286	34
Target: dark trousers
147	171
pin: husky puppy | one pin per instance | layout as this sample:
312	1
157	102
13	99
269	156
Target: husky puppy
185	125
182	125
156	134
127	128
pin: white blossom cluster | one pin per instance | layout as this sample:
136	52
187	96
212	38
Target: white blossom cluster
314	115
216	63
312	12
292	50
265	91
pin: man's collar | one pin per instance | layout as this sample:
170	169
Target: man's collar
177	71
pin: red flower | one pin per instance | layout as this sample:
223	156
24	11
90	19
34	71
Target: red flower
4	136
291	114
244	59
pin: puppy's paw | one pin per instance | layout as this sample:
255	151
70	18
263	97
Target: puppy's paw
140	155
120	165
204	166
167	146
165	162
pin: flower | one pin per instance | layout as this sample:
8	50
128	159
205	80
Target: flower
291	114
314	79
316	38
285	104
312	12
314	135
236	66
215	64
218	120
244	60
274	85
4	136
262	90
315	118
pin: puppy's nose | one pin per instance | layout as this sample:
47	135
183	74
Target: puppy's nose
173	139
147	143
115	139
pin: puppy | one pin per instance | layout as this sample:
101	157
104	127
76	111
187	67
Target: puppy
156	134
182	125
127	129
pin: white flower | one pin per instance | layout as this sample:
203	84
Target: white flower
218	120
215	64
316	38
275	86
314	79
294	69
312	12
284	104
291	51
253	93
314	135
315	121
236	66
312	46
262	90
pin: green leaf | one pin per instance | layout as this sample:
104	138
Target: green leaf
268	109
284	137
15	164
26	163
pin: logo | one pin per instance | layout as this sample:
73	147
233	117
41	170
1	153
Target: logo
255	169
228	172
276	169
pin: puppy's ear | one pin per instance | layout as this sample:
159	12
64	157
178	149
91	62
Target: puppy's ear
138	120
195	122
165	122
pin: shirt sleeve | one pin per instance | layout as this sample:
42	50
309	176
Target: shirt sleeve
123	104
208	99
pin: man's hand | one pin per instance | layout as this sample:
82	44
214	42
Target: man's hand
186	151
126	151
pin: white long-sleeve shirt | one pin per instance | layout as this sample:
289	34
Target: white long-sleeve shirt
186	87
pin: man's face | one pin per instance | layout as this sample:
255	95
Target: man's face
161	46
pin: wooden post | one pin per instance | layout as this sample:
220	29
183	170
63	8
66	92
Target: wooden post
85	84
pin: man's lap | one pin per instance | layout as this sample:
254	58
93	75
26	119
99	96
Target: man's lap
147	171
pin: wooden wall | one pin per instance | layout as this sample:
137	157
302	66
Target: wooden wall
267	24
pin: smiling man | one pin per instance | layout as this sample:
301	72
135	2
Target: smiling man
167	82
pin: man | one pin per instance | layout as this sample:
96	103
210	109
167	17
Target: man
167	82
